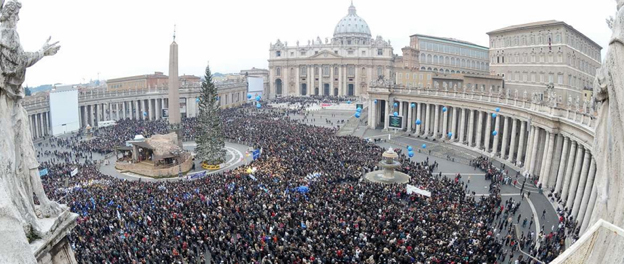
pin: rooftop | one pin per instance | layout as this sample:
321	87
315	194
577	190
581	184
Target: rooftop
449	40
540	24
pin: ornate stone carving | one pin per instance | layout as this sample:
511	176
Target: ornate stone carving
455	88
18	164
608	138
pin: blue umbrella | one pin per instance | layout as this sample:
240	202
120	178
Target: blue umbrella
396	114
258	98
248	96
303	189
450	134
375	101
497	109
348	102
358	110
144	113
412	105
424	145
258	105
410	154
418	122
197	99
357	115
444	109
494	133
396	104
493	115
409	148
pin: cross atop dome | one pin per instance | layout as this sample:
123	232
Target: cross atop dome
352	9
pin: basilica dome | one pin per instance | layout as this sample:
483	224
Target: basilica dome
352	26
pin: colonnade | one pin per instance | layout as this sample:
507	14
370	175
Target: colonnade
561	163
140	109
39	124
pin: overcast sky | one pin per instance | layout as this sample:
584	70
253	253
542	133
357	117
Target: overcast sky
118	38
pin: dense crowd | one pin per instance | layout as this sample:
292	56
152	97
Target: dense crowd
236	218
552	240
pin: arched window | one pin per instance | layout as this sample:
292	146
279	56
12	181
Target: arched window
429	59
435	59
278	71
453	62
422	68
423	58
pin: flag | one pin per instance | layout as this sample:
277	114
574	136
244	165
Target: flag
549	43
118	215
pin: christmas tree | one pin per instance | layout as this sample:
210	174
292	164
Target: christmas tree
209	136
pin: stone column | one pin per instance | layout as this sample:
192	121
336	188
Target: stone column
587	193
497	137
454	124
562	165
568	173
520	152
331	80
581	184
529	149
575	177
488	131
534	148
400	110
36	125
505	137
479	138
436	122
137	111
85	119
124	115
144	108
513	143
550	150
471	126
462	126
372	113
387	116
445	124
150	108
410	118
427	120
419	117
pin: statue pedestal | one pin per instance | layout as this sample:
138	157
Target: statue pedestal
54	247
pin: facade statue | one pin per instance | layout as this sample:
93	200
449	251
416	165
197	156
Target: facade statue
516	93
19	171
608	139
491	90
297	43
455	88
318	40
578	103
524	95
326	41
569	101
445	85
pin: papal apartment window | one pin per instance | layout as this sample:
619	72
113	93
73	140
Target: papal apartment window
363	53
278	53
292	54
350	52
379	52
335	51
303	53
278	71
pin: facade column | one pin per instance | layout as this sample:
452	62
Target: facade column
124	115
497	137
401	111
462	126
514	140
574	163
454	124
520	152
410	121
568	173
150	108
144	108
36	122
427	120
419	117
587	193
372	111
550	149
137	112
479	138
590	210
529	150
436	121
505	137
471	119
578	195
575	176
488	131
445	124
387	115
85	119
562	165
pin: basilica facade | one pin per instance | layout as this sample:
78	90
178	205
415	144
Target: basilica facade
341	66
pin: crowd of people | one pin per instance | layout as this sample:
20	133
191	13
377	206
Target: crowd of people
235	217
552	241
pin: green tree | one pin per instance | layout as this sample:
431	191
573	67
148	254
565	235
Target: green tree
210	143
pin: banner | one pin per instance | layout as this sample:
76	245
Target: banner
256	154
413	189
43	172
197	175
74	172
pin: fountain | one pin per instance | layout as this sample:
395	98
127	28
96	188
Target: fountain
388	175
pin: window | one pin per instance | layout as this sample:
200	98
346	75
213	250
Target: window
524	77
335	52
303	71
363	53
542	78
325	70
292	53
303	53
400	76
278	71
316	70
560	79
569	80
421	76
379	51
278	53
335	71
551	78
379	71
315	52
350	52
423	58
533	77
351	71
348	42
428	76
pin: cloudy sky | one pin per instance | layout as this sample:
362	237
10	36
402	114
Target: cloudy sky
116	38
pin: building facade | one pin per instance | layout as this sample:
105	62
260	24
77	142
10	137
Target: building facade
342	66
531	56
148	81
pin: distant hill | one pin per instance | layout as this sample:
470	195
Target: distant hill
218	74
41	88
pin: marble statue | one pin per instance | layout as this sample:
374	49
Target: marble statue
516	94
297	43
465	88
326	40
569	101
455	88
445	86
19	171
578	103
524	95
609	139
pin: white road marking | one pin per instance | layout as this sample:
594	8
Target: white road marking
537	223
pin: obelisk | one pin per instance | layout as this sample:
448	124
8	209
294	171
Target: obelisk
174	93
